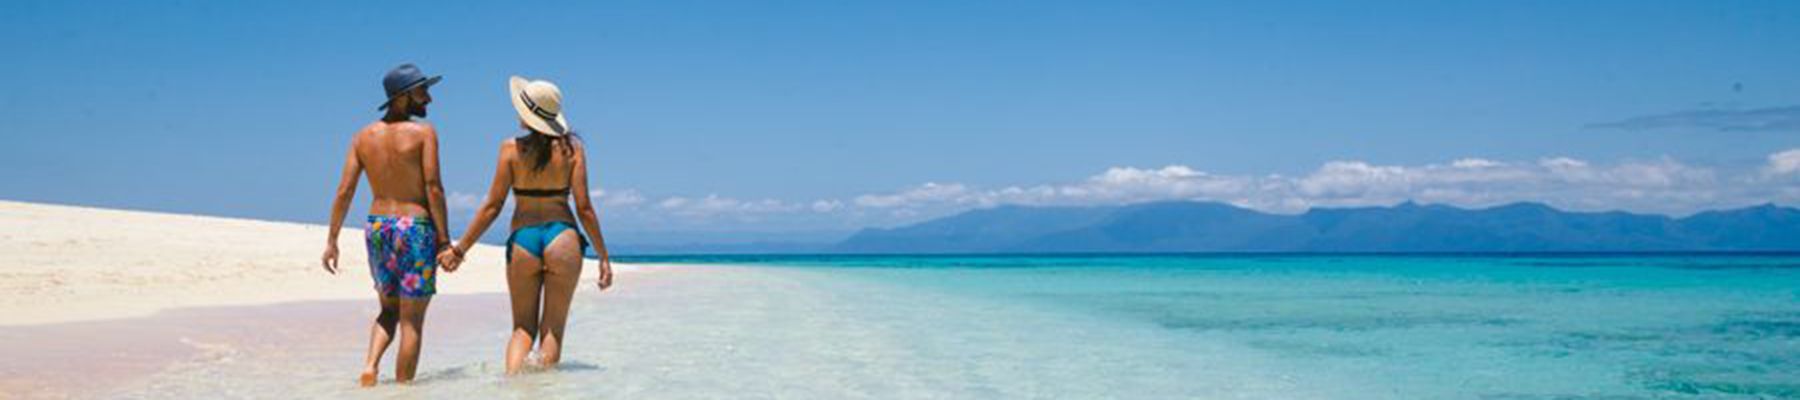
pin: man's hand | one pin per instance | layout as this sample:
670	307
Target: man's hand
330	259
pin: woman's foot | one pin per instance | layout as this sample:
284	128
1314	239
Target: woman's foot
533	363
367	379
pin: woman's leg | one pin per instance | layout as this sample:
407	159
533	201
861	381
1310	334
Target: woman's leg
524	280
562	273
381	333
412	330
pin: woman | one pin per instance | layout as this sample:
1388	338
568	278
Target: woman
543	168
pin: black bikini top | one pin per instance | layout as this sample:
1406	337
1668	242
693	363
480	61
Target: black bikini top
541	192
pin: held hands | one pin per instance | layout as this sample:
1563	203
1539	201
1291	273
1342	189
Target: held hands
330	259
450	258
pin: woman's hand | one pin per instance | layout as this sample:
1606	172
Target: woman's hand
606	273
330	259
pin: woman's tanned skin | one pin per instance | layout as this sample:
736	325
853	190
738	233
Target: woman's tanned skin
554	277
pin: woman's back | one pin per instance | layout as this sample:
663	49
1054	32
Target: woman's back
542	190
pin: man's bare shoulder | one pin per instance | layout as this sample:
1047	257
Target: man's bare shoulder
365	131
408	131
371	128
415	126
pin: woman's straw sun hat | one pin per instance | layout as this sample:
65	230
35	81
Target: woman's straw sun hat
539	104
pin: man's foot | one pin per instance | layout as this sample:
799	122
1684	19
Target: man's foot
367	379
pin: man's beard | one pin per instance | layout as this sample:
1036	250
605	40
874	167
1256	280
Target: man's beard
417	111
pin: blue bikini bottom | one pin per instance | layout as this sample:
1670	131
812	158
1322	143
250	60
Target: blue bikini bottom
536	237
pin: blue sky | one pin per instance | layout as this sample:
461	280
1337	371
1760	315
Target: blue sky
823	116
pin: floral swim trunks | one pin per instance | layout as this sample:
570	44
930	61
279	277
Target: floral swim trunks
402	256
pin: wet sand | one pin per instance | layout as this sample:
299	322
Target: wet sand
92	358
92	298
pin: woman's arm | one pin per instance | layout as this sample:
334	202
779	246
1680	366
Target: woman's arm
340	205
584	209
496	199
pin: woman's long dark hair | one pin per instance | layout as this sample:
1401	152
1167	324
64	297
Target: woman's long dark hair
536	145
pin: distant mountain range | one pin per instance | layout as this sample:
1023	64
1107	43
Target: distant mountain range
1408	227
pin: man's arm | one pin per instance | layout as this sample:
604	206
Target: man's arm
434	187
340	205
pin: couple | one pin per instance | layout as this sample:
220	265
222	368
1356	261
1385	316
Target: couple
406	235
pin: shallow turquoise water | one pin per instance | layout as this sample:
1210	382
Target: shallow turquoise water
1351	327
1418	326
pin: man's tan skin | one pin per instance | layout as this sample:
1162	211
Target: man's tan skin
400	156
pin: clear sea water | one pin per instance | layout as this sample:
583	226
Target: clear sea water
1241	326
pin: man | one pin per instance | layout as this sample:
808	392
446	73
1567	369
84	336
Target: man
406	219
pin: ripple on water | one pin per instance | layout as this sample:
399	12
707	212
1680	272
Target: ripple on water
1319	349
1334	323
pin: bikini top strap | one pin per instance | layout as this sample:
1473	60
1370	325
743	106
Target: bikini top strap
541	192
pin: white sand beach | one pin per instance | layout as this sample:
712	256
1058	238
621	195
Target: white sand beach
65	264
85	293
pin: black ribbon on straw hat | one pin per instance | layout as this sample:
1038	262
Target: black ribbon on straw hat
540	111
539	104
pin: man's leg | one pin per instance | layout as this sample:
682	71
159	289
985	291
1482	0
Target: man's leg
381	333
412	326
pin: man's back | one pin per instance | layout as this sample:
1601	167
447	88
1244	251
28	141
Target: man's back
391	153
404	234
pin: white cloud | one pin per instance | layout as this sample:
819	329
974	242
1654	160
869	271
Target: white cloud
672	203
1783	163
460	201
930	192
1355	179
1475	163
622	198
1169	182
715	205
825	206
1559	163
1661	185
